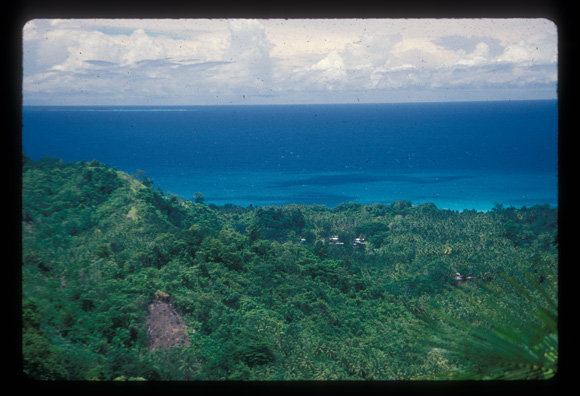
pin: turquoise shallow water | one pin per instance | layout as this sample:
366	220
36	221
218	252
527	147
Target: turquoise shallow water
456	155
448	190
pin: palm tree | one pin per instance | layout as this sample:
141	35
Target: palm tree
503	341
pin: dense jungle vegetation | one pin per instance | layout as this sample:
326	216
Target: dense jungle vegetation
357	292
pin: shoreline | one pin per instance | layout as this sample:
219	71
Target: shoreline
456	190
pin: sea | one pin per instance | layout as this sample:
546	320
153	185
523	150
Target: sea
457	155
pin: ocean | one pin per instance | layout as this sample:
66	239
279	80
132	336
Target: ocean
467	155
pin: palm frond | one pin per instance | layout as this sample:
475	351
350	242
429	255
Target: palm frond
506	341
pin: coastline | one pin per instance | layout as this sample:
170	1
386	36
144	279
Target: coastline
454	190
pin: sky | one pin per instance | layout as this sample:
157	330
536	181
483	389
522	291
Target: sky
286	61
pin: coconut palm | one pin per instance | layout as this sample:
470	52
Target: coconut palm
503	339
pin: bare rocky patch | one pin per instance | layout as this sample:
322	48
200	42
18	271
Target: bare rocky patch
164	325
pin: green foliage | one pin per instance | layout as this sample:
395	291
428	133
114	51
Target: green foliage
275	293
278	223
199	197
41	359
509	340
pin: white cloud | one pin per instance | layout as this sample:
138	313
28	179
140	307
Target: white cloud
62	56
248	52
332	71
118	49
222	61
534	50
421	53
372	49
479	56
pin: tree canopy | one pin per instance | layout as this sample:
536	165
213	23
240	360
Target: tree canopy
292	292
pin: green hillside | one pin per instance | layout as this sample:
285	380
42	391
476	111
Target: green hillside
123	281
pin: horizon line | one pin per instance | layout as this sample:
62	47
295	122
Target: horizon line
285	104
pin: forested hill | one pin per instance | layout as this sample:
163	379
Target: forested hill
275	293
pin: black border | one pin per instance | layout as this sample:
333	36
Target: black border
561	12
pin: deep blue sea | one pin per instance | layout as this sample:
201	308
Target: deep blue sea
467	155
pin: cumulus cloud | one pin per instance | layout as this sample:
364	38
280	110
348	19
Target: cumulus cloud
248	53
112	67
248	43
328	73
537	50
388	63
199	61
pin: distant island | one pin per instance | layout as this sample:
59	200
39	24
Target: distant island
121	281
